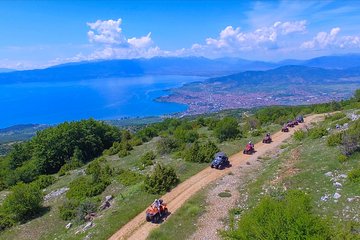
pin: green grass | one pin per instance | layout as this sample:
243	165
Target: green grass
315	159
181	225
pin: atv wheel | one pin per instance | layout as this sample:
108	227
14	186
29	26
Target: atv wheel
244	152
156	218
212	166
148	218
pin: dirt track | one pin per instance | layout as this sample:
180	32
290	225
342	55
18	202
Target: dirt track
138	228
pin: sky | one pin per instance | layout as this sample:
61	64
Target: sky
38	34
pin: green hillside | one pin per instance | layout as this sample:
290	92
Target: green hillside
63	174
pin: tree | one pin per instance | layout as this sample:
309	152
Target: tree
162	179
227	128
23	202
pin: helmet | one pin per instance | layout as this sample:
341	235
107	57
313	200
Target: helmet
250	142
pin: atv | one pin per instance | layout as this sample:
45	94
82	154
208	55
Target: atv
220	161
290	124
153	215
300	119
267	138
296	122
285	128
249	149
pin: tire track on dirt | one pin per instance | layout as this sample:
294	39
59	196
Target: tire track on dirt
138	228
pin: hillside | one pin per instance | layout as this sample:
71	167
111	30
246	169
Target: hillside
79	165
286	85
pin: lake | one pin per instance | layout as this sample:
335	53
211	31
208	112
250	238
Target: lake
112	98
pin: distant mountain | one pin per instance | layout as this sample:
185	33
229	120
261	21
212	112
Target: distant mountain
329	62
199	66
135	67
5	70
20	132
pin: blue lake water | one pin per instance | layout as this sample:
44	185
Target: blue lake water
50	103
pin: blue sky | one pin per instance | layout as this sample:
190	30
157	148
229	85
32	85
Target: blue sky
42	33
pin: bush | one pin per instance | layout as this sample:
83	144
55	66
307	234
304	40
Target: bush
166	145
44	181
342	158
354	175
287	217
84	209
227	128
147	159
200	153
5	221
317	132
84	187
299	135
68	210
23	202
162	179
335	139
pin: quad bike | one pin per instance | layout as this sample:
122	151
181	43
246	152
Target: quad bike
285	129
267	138
290	124
300	119
249	149
153	214
220	161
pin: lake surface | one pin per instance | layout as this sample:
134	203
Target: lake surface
50	103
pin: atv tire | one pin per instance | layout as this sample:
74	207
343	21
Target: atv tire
148	218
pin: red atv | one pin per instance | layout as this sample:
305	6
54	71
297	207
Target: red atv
249	149
267	138
154	215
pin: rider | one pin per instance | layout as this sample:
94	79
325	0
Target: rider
251	144
157	204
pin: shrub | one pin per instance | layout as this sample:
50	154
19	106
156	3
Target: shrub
166	145
317	132
84	187
44	181
200	153
5	221
299	135
354	175
68	210
23	202
227	128
147	159
162	179
335	139
342	158
84	209
289	217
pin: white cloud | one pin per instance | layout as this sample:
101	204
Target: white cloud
232	40
108	32
142	42
332	39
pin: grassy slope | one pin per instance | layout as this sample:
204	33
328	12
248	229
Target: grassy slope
129	201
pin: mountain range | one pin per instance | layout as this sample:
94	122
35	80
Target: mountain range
166	66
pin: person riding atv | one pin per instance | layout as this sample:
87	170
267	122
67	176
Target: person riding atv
220	161
156	211
267	138
285	128
249	148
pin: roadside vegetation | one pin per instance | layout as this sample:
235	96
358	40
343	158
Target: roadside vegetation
92	160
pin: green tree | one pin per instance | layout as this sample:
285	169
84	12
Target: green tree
162	179
227	128
24	201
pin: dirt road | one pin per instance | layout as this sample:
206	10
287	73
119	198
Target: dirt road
138	228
